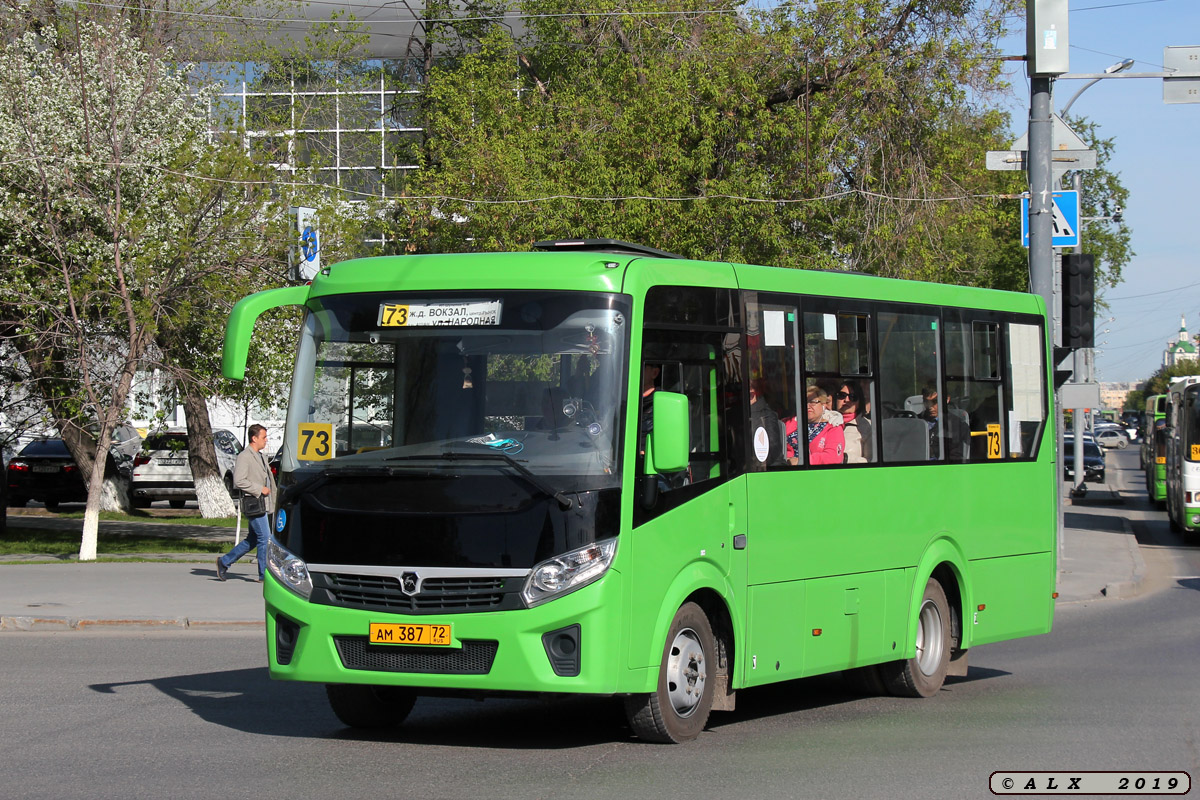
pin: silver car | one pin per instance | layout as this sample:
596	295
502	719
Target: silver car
162	470
1111	437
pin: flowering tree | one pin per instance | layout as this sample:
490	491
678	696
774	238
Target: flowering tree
120	221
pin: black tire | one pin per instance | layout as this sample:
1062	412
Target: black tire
177	503
229	486
17	502
924	673
678	710
1175	526
52	505
371	707
866	681
140	502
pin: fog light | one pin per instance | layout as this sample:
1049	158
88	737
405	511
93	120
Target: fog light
562	648
287	633
1196	519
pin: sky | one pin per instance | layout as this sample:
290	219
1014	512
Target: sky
1156	154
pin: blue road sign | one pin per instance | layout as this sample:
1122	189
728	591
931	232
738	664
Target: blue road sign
1066	220
308	244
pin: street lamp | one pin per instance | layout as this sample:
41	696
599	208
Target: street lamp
1120	66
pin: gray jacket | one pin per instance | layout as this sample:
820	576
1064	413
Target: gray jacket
251	473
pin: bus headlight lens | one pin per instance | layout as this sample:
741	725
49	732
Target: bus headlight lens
292	572
568	572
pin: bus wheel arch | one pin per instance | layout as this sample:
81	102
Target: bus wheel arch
923	674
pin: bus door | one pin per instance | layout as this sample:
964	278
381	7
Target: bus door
687	523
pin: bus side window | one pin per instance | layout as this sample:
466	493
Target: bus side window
776	411
909	369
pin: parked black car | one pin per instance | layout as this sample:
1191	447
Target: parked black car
1093	460
44	471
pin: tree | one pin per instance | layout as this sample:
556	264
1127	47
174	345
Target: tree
1103	196
118	219
1160	381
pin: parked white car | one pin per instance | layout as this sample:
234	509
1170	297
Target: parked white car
162	471
1111	437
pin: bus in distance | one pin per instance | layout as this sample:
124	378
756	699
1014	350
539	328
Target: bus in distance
1154	448
1183	455
601	469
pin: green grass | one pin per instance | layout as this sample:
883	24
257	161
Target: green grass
142	516
36	541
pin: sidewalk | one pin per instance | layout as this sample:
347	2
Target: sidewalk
1099	560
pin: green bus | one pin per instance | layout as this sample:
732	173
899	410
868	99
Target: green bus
599	468
1183	454
1154	448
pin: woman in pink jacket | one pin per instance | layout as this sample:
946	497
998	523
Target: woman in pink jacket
826	439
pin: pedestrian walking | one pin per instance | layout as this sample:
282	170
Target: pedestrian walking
256	486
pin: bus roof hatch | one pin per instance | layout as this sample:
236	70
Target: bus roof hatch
603	246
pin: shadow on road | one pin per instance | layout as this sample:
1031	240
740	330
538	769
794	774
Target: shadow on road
247	700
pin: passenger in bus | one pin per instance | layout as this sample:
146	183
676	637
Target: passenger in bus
826	440
855	425
956	434
764	418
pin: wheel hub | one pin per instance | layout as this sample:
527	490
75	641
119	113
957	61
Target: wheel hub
686	672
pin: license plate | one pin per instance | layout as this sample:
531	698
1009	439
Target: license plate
45	468
387	633
171	462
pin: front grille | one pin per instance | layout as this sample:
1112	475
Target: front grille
437	596
475	657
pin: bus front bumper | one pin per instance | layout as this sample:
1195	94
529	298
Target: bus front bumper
569	644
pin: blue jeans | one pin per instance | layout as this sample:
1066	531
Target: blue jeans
257	536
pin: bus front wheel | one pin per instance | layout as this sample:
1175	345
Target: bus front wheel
678	710
924	673
372	707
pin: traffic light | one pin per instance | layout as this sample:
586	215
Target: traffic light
1079	300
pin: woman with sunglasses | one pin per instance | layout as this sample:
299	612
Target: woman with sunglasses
855	425
826	443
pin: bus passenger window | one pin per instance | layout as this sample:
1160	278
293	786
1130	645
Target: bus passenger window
1026	373
775	415
909	378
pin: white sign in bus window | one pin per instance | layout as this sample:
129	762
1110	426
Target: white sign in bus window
830	326
773	331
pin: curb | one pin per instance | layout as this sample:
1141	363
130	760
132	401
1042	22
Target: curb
15	623
1132	587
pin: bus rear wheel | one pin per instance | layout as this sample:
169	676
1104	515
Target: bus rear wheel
924	673
678	710
373	707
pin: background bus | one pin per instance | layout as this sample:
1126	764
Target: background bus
1154	448
1183	454
601	472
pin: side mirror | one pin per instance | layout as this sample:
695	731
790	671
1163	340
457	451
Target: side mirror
667	446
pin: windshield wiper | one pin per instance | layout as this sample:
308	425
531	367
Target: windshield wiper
546	488
311	482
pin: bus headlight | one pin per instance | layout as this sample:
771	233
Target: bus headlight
568	572
289	570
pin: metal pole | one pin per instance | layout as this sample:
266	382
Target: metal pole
1041	241
1080	364
1041	213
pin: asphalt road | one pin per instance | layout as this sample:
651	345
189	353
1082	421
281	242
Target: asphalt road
182	715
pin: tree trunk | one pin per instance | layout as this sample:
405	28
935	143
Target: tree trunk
211	492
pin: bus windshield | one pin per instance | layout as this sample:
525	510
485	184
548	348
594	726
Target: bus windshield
1191	423
435	383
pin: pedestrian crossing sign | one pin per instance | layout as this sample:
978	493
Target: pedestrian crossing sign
1066	220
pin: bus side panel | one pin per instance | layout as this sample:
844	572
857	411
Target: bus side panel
777	636
1017	595
846	622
